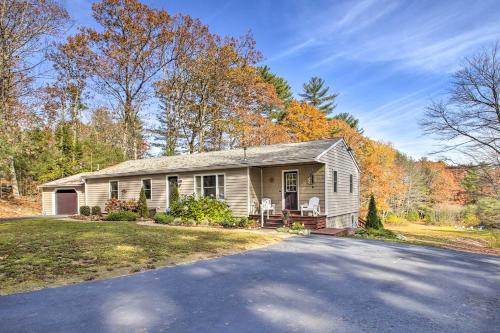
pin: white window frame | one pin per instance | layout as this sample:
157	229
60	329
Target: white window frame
216	184
168	187
109	188
142	185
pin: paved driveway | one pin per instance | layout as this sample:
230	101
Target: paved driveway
315	284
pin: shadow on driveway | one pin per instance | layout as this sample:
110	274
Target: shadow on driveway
313	284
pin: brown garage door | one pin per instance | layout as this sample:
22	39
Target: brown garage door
66	202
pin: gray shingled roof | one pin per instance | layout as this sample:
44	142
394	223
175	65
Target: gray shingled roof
67	181
286	153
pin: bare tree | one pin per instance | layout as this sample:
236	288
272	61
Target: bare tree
469	121
25	27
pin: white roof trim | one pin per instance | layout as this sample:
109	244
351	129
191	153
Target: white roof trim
348	150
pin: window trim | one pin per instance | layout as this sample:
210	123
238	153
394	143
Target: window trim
335	177
216	174
351	183
117	187
151	191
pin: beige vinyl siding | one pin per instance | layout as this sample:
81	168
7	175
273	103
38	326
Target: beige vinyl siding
272	183
48	196
255	187
129	187
341	202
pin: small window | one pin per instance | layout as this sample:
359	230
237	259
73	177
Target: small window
335	181
113	189
210	186
351	185
146	184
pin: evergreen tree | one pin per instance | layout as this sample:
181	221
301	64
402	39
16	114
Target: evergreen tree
373	220
282	88
316	94
142	206
350	120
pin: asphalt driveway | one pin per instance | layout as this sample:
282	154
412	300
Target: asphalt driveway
315	284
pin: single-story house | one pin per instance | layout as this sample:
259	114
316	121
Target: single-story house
287	174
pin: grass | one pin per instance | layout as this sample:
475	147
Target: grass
42	253
476	241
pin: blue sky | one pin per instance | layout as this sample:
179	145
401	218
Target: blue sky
386	59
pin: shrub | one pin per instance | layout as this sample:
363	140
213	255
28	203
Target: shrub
85	210
376	233
204	209
114	205
445	214
175	206
392	218
412	216
297	226
373	220
96	210
142	204
123	215
164	218
488	212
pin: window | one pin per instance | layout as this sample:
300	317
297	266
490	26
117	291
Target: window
351	185
335	181
113	189
146	184
210	186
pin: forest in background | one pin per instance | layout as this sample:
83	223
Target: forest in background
146	81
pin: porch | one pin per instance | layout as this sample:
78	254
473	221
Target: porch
276	220
288	187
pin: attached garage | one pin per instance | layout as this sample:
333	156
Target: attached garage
63	196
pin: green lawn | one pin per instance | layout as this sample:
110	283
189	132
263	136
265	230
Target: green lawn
477	241
41	253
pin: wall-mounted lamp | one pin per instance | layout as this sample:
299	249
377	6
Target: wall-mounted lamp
310	179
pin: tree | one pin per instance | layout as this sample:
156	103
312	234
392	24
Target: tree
26	27
317	95
469	121
142	205
373	220
305	122
350	119
124	56
282	88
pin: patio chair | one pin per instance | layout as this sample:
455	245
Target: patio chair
267	206
311	206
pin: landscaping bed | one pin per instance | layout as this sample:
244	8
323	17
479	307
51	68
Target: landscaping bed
48	252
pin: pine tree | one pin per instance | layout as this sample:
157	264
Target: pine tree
316	94
282	88
373	220
350	120
142	206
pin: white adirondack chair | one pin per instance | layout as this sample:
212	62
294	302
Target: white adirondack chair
311	206
267	206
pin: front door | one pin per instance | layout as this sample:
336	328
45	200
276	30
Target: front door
290	185
173	182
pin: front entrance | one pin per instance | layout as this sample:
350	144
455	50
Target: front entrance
173	182
290	190
66	202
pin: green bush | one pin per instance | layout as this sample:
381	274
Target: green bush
85	210
488	212
175	207
297	226
96	210
412	216
392	218
164	218
142	204
122	216
204	210
376	233
373	220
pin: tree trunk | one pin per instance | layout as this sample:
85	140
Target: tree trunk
13	177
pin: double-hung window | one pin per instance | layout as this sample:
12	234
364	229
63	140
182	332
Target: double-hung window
335	182
113	189
210	186
146	184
